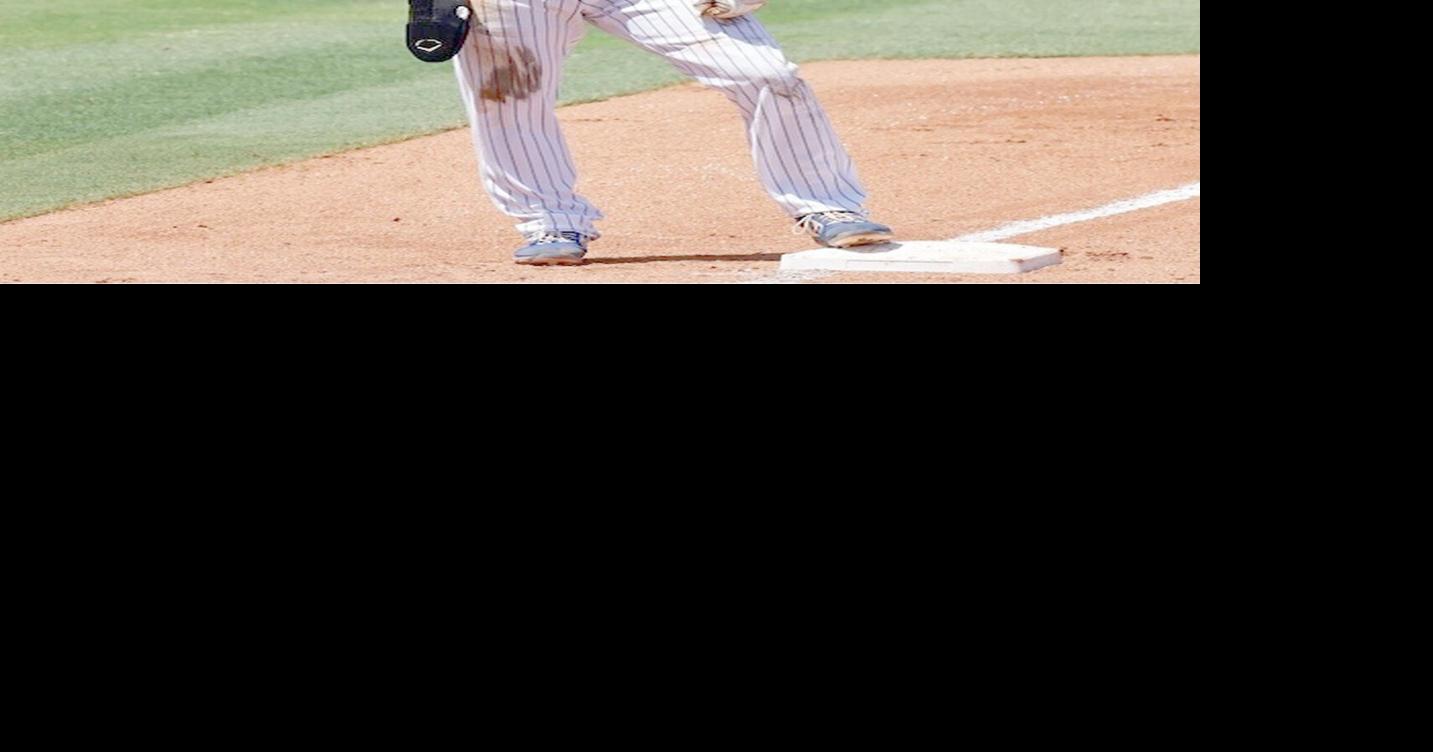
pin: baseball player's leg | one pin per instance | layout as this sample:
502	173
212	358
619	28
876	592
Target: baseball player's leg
800	159
509	72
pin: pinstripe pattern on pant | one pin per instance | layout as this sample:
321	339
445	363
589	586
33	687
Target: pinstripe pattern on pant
526	166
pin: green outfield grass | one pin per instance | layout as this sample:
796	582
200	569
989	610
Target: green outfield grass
111	98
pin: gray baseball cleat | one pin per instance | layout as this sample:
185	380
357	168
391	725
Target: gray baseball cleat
552	249
844	229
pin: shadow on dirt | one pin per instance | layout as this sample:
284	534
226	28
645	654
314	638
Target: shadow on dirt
710	257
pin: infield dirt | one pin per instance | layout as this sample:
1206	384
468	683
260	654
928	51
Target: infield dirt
945	147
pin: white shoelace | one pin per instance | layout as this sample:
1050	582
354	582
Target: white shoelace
813	223
550	237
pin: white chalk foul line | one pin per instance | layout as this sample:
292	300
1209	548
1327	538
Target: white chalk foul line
1025	227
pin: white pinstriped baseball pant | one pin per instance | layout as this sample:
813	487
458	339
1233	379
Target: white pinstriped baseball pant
526	166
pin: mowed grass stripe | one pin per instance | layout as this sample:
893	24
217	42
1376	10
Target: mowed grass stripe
134	105
214	147
65	23
91	69
857	29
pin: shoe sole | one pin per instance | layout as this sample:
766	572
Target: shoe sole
551	261
864	238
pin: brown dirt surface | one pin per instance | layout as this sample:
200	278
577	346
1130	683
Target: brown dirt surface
947	147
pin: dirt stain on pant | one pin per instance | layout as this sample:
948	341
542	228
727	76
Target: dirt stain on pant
510	71
515	74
